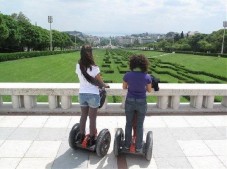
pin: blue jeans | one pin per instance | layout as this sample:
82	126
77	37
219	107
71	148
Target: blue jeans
132	106
88	99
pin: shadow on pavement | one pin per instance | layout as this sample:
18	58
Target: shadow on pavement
70	159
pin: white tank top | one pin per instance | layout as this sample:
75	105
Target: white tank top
85	86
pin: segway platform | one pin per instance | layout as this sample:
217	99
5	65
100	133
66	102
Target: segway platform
146	147
102	141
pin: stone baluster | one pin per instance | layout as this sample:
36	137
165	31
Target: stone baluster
17	101
29	101
196	101
123	102
66	102
1	102
208	102
224	101
174	102
53	102
163	102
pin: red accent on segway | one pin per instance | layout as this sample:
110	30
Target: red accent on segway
85	141
134	122
133	145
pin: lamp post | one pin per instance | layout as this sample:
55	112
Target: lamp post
50	20
223	41
75	41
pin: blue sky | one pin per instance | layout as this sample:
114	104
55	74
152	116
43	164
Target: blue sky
122	17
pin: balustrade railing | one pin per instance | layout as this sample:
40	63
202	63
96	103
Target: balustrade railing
24	98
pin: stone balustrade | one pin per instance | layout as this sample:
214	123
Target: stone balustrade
24	98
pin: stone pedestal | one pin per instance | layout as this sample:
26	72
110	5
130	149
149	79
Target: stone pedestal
123	102
162	102
53	102
196	101
29	102
208	102
66	102
17	101
1	102
174	102
224	101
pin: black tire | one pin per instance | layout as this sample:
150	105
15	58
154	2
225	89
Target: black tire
103	143
118	139
73	135
149	146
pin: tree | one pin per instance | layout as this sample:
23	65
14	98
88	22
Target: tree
56	39
20	17
136	42
4	32
204	45
176	37
30	37
44	39
215	39
182	35
193	41
11	42
170	35
104	41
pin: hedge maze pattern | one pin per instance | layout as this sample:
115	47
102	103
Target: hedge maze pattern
116	61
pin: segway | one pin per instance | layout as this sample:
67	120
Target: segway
102	141
119	143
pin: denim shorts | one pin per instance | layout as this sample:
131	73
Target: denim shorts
88	99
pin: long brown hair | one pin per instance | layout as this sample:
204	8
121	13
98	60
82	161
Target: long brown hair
86	62
86	57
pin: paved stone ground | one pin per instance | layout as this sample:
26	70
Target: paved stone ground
182	142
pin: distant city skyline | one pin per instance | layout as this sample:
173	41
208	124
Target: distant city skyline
122	17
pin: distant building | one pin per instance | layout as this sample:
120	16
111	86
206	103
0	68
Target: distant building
191	33
125	40
93	40
146	40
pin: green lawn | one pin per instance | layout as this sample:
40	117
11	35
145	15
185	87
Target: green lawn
215	65
61	68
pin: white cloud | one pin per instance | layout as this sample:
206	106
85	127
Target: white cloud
123	16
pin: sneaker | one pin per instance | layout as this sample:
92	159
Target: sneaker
92	140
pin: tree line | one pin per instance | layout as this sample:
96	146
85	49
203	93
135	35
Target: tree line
207	43
18	34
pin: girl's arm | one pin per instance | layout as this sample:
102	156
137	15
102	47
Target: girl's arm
125	85
99	78
149	87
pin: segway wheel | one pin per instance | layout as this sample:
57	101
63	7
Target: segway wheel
119	137
149	146
103	143
73	135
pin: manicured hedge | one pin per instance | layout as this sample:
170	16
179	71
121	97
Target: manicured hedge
203	53
22	55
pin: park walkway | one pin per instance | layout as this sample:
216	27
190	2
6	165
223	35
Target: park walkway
180	142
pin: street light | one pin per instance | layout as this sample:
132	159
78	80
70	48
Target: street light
223	41
50	20
75	41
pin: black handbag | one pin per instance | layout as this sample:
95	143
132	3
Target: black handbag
102	93
155	82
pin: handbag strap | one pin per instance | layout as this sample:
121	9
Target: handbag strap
91	79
